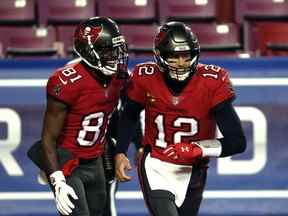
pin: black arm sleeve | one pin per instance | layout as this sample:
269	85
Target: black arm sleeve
233	140
127	125
112	127
137	138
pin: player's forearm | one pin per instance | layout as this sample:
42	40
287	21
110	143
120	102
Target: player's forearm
233	140
223	147
137	138
232	145
127	125
50	156
127	129
49	139
53	124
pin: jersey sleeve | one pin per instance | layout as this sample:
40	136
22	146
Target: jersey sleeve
61	89
223	90
135	89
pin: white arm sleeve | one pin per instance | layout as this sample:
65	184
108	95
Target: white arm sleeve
210	148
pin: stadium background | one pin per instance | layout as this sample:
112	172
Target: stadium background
254	183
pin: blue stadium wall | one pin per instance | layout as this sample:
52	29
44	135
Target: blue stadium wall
254	183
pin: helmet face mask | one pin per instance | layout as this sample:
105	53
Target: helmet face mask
101	46
180	65
176	51
114	60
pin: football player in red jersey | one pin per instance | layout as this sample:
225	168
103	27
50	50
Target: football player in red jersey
183	102
81	98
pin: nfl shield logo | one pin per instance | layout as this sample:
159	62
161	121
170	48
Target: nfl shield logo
175	100
57	89
106	93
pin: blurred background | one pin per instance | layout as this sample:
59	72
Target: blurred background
247	37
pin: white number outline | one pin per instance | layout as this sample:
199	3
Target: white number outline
146	69
67	72
210	73
86	127
177	123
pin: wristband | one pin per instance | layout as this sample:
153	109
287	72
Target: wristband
210	148
57	177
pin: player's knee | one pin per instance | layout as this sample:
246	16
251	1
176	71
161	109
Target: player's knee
162	203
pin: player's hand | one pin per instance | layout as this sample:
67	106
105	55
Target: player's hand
183	152
138	155
62	193
122	164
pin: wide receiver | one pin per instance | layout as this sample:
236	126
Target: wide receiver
183	102
81	98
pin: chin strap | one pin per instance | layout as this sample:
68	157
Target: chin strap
108	70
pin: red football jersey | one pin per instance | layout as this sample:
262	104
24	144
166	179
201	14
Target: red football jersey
90	107
178	118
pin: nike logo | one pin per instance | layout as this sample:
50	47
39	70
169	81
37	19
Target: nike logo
224	77
62	81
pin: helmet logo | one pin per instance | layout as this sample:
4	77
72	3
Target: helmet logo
92	33
159	37
175	100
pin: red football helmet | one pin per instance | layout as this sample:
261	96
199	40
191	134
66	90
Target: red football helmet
101	46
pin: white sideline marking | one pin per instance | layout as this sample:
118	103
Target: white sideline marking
137	195
268	81
23	82
220	194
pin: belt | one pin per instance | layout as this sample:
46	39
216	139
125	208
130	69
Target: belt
87	160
